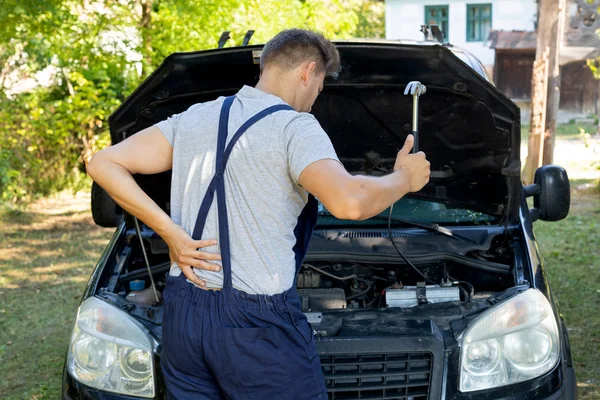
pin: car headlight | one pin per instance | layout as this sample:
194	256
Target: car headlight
513	342
110	351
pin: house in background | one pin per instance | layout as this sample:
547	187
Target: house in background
515	53
514	57
466	24
501	33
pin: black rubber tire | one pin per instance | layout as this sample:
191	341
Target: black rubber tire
105	211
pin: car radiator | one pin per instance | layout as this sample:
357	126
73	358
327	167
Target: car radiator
389	376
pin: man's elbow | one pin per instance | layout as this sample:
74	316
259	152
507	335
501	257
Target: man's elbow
351	208
94	166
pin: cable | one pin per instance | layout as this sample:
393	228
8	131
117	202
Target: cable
389	227
341	278
464	292
471	288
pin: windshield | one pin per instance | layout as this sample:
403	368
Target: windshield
417	210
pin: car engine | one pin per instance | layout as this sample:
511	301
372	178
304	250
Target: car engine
338	286
334	292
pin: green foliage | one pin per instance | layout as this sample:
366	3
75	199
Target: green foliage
46	133
67	64
196	24
594	66
594	63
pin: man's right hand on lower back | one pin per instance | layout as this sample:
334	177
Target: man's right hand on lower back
149	152
184	251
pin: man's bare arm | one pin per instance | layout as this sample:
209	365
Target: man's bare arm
148	152
358	197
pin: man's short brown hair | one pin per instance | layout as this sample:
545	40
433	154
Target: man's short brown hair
291	47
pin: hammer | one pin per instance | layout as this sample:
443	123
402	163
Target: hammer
415	89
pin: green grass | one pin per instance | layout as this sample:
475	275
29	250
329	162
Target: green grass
572	260
563	131
46	256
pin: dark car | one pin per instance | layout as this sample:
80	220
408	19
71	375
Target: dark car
442	297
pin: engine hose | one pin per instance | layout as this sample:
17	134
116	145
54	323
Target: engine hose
340	278
357	295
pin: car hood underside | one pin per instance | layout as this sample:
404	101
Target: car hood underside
469	130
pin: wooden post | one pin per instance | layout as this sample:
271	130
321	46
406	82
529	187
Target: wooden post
550	35
539	92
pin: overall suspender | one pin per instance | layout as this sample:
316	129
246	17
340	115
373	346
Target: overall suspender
217	184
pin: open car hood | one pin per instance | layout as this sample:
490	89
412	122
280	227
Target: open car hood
468	129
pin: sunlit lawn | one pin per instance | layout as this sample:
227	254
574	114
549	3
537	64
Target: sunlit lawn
564	131
572	258
46	256
48	252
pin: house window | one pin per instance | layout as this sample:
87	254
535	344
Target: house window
437	15
479	22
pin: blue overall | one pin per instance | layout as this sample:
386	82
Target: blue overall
228	344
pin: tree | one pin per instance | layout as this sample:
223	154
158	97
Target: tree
179	26
550	34
67	64
78	73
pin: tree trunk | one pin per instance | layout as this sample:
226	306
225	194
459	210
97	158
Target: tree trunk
551	21
537	128
550	34
146	31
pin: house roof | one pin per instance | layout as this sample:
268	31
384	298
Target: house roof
513	40
527	40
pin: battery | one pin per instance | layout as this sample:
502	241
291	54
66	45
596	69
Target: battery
407	296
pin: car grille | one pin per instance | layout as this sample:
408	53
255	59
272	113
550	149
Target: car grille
389	376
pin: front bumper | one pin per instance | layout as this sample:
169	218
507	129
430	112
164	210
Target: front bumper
559	384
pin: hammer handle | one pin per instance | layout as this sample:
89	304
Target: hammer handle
415	122
415	148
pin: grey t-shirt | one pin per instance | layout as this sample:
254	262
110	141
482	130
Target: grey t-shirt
263	196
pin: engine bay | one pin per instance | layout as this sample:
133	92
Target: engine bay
343	292
339	286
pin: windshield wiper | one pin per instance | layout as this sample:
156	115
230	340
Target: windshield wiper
428	226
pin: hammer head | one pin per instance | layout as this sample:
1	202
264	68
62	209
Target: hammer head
415	88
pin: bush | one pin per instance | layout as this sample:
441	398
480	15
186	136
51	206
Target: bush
97	50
